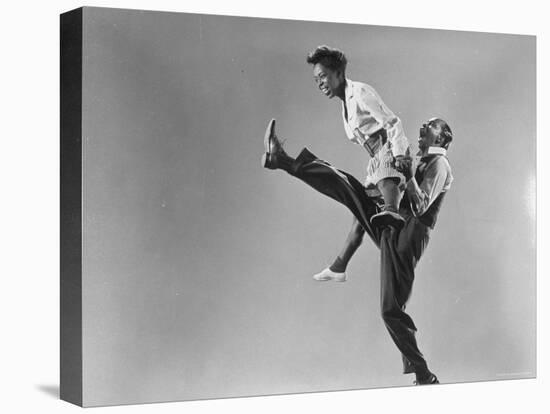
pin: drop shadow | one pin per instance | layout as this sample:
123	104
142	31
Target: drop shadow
50	389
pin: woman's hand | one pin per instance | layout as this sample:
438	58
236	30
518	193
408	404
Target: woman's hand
404	164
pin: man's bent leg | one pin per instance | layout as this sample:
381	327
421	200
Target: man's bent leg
326	179
336	184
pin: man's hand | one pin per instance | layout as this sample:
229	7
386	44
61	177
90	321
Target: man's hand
404	164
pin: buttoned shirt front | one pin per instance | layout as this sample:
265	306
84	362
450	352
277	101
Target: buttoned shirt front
364	113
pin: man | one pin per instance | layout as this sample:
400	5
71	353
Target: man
369	123
427	182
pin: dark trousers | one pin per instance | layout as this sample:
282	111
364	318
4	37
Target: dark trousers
399	250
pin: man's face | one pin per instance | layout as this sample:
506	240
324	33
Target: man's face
329	81
430	134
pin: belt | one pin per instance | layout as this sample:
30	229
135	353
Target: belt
375	141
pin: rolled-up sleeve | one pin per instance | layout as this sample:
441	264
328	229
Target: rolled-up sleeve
437	179
372	102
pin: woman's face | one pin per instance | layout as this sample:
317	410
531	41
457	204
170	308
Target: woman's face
328	81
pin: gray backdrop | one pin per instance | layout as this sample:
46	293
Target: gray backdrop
198	262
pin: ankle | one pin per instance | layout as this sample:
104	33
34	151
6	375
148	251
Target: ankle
339	266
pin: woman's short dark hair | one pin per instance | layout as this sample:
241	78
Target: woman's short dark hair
329	57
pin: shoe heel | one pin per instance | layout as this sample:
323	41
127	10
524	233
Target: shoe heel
387	220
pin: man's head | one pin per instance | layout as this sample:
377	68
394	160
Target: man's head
435	133
329	70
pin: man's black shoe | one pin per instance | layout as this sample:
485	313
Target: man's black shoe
432	379
388	217
274	152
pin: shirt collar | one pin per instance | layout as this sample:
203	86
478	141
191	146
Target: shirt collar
432	151
437	150
348	92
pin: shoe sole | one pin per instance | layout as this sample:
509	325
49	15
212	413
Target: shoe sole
328	278
432	381
387	220
269	132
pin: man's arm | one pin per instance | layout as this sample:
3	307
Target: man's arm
437	178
